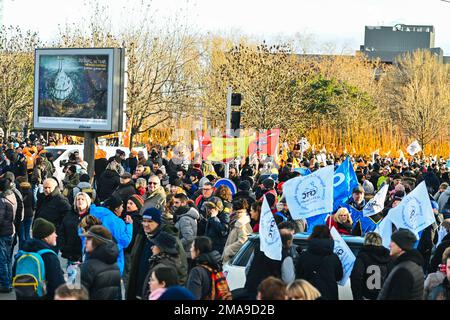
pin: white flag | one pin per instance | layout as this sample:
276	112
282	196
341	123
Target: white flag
414	212
304	145
413	148
269	235
402	156
344	253
384	229
310	195
376	204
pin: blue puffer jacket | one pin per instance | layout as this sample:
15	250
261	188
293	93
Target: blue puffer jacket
121	231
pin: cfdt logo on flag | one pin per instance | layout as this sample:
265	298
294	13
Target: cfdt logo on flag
310	190
411	213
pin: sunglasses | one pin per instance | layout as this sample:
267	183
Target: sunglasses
154	183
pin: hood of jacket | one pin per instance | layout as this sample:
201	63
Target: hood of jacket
110	173
321	247
100	212
25	186
106	253
212	259
192	213
84	185
241	221
411	255
379	254
34	245
159	191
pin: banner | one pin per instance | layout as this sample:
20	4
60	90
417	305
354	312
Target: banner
414	212
269	235
376	204
344	253
265	142
310	195
413	148
384	229
345	181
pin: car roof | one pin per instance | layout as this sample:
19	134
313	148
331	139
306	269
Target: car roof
305	235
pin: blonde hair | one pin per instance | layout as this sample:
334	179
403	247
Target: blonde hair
141	182
302	290
339	212
373	239
86	197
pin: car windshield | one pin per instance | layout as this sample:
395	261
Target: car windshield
55	152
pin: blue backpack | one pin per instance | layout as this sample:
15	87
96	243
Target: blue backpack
29	281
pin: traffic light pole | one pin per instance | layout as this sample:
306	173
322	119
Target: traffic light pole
228	125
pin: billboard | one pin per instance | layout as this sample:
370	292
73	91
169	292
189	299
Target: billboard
79	89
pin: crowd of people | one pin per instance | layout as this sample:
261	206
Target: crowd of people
159	228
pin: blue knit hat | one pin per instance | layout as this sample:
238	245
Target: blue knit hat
152	214
177	293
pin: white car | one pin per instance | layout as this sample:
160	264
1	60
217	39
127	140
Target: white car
234	269
61	155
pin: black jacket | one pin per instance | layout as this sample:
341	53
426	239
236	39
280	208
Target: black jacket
27	195
217	229
69	241
100	274
261	267
52	207
107	183
368	258
100	166
406	280
53	273
321	267
199	280
436	260
124	192
6	218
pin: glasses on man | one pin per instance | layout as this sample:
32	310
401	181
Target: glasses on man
153	183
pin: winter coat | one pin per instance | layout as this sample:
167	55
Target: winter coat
100	273
443	199
432	281
199	281
321	267
6	218
52	207
185	219
368	257
141	249
70	182
436	260
27	196
69	241
124	192
137	228
342	228
217	230
121	231
38	176
100	166
157	261
239	231
107	183
442	291
261	267
432	181
157	199
54	275
406	280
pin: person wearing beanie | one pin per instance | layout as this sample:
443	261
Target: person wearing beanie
406	280
100	274
44	237
122	231
125	190
152	225
164	254
134	206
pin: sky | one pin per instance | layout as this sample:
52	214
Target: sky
340	22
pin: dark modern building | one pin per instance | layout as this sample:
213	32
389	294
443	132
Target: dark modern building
387	43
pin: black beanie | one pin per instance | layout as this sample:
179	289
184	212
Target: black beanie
42	228
404	238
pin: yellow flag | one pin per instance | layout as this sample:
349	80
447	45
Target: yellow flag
228	148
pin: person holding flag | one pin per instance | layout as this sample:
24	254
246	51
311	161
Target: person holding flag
356	204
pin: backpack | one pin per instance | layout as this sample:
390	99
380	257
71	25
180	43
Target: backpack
219	285
30	281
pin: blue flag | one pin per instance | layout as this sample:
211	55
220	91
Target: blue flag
345	181
313	221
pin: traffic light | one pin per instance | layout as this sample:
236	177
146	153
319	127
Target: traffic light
236	99
235	120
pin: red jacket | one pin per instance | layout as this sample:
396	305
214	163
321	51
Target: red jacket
341	228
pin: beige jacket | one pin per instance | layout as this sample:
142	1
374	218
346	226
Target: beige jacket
237	237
